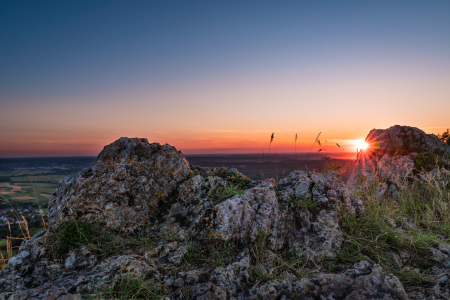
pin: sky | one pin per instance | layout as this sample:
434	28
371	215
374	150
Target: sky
218	76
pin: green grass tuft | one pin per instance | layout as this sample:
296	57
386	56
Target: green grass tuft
128	287
75	234
227	192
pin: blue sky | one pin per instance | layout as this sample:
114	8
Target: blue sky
154	64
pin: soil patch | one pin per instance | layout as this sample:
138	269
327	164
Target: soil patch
23	198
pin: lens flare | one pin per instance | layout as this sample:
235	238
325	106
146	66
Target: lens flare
361	144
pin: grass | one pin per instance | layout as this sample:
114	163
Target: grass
305	203
210	252
384	227
97	240
166	235
268	265
11	247
129	287
75	234
262	275
193	256
5	253
223	193
236	180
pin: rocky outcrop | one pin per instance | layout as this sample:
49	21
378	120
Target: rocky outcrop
395	152
193	233
301	213
129	186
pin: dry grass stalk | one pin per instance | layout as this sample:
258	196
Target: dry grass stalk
9	239
271	140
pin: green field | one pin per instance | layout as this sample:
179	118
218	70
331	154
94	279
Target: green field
23	191
20	188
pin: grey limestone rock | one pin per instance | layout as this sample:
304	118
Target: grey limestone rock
234	276
195	202
79	259
392	154
377	284
210	291
130	184
244	216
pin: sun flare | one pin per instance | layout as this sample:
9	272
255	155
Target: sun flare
361	144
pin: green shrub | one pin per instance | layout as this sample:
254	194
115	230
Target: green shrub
306	203
97	239
428	161
75	234
227	192
237	180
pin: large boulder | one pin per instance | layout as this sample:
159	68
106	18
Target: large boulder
395	152
131	183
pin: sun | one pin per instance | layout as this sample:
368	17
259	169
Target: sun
361	144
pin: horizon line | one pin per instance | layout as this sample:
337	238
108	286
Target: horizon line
191	154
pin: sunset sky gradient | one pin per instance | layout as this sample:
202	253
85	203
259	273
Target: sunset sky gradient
218	76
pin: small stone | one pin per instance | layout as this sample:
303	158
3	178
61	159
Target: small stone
443	281
179	282
169	282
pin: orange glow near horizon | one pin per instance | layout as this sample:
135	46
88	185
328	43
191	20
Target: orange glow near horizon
196	142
